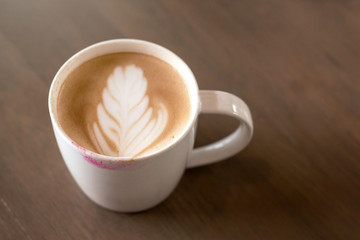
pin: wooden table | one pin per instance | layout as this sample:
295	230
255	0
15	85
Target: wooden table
297	65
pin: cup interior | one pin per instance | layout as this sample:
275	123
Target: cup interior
124	45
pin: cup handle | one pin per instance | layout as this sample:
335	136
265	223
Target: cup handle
217	102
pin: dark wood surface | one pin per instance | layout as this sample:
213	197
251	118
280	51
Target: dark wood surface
297	65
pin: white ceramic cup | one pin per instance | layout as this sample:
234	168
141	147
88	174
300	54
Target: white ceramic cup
130	185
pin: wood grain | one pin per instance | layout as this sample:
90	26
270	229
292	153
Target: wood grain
296	64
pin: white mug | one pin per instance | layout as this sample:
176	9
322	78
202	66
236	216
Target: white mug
130	185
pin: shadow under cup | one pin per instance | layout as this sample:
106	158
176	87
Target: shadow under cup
123	183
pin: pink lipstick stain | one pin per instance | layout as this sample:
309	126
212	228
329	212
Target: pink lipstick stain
100	164
97	163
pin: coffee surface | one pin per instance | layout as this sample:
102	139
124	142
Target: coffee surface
123	104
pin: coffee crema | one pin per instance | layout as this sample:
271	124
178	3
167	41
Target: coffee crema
123	104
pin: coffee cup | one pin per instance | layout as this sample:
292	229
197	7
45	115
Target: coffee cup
149	170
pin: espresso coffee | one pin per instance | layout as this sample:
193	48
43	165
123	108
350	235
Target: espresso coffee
123	104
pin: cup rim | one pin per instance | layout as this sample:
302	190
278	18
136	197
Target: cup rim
192	88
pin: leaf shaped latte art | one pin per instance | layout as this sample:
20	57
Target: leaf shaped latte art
124	116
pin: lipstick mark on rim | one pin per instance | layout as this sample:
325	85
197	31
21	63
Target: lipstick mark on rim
116	165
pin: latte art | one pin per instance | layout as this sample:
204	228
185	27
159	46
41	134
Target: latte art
123	105
124	116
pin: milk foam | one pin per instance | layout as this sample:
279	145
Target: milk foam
125	117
